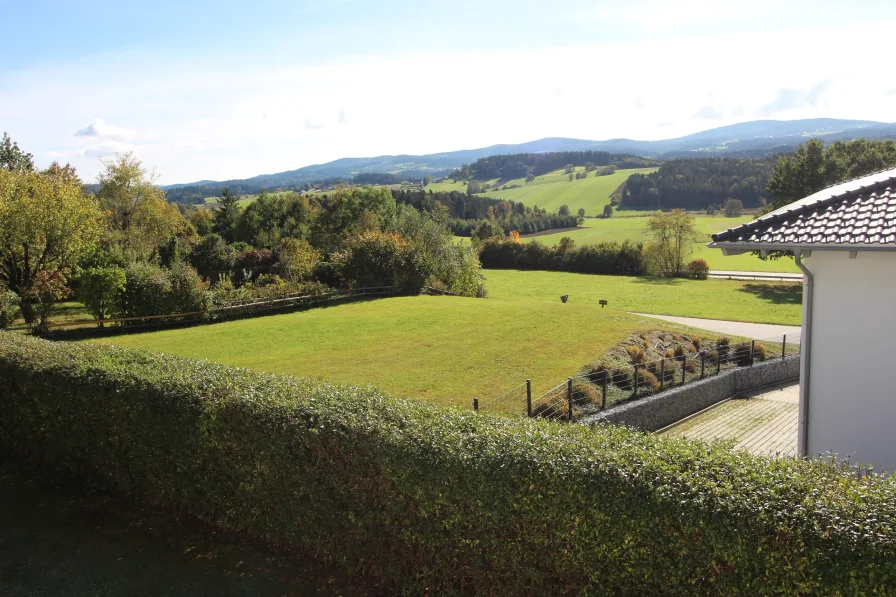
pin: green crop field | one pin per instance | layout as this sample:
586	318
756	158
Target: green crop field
554	189
451	349
595	230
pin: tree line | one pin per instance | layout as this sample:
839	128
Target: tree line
468	213
522	164
698	183
122	249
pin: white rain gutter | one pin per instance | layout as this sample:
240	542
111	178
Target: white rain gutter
806	354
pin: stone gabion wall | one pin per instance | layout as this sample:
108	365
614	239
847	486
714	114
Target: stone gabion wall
670	406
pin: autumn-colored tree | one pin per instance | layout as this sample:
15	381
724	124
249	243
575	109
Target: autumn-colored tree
47	225
297	259
139	217
513	237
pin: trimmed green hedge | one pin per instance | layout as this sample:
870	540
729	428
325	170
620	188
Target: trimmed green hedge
445	501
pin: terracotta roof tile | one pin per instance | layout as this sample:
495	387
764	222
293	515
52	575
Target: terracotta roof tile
859	215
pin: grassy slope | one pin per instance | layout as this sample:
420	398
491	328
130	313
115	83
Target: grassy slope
760	302
451	349
554	189
633	228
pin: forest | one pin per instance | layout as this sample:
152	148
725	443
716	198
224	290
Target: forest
699	183
518	165
469	212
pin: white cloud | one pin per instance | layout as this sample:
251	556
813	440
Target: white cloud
99	129
275	118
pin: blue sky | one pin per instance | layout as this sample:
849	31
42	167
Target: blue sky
219	90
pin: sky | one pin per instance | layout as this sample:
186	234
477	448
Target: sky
225	90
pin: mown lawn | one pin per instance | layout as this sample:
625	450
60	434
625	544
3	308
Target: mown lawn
450	349
632	226
735	300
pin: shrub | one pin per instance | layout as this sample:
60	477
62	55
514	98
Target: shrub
100	289
647	380
635	355
666	371
584	393
189	292
152	290
679	351
375	259
551	408
297	259
723	347
212	255
510	506
697	341
595	373
698	269
9	307
690	367
760	352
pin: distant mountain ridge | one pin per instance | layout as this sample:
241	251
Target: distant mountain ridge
755	137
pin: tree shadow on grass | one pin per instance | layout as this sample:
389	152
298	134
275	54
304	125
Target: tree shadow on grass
659	280
779	294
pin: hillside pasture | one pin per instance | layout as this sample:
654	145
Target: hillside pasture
634	228
450	349
554	189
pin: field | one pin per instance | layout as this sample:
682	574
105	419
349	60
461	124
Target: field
451	349
633	228
554	189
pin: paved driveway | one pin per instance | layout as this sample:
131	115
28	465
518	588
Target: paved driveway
758	331
764	424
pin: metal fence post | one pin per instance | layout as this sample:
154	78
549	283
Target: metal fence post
637	371
529	397
569	399
684	370
784	347
752	349
476	404
662	373
603	397
702	362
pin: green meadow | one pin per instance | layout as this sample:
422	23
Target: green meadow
450	349
554	189
633	227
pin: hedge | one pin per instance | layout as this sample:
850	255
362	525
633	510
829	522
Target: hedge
445	501
609	258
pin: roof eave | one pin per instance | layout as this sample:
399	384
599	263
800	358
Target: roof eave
739	248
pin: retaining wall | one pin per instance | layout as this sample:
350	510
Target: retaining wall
668	407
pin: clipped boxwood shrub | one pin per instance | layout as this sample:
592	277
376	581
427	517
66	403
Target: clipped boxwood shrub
445	501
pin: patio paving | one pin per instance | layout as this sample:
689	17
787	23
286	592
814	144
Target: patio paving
764	424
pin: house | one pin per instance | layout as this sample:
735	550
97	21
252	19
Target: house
844	240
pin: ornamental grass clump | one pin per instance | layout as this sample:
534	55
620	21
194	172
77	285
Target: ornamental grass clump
431	500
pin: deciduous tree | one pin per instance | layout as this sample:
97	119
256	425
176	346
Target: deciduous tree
46	225
139	217
674	234
12	158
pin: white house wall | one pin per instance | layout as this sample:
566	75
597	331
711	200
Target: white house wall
852	400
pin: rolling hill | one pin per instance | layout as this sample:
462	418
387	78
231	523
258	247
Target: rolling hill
756	138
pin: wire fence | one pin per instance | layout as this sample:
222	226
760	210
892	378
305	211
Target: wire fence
601	386
234	310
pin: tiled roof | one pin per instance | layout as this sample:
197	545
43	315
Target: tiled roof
856	214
